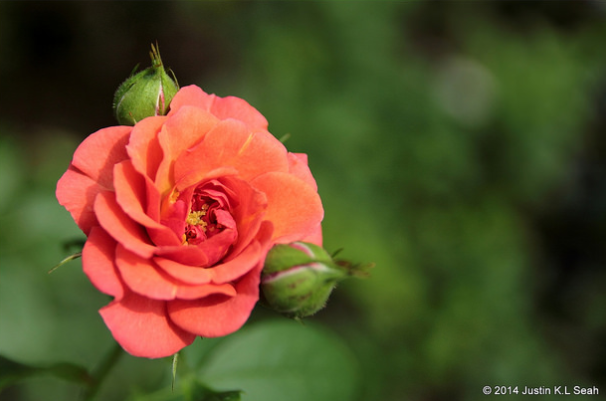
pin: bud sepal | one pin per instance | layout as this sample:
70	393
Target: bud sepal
145	94
298	278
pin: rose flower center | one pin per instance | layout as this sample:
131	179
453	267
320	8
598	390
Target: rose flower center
201	222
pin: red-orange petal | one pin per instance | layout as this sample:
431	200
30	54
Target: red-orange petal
100	151
230	143
141	326
216	316
200	291
142	277
315	237
181	131
131	196
121	227
98	263
185	273
143	146
297	163
190	95
239	109
77	193
240	265
293	206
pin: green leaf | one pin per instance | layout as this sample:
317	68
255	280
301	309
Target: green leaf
282	360
12	372
198	392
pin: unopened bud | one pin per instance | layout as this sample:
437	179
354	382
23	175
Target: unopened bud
298	278
147	93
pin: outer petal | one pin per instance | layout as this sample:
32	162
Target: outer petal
239	109
297	166
98	153
222	108
77	192
190	96
216	316
230	143
121	227
315	237
98	263
141	326
142	277
294	207
143	146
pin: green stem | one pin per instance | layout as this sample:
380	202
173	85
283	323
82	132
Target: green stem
99	374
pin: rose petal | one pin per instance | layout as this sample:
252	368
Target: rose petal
293	206
216	316
130	195
239	109
77	193
121	227
204	290
141	326
181	131
297	166
222	108
143	146
98	263
187	255
235	268
315	237
248	214
190	95
98	153
186	273
231	144
142	277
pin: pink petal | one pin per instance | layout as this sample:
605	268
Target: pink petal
315	237
121	227
142	277
77	192
187	255
298	167
98	263
143	146
239	109
181	131
131	196
204	290
240	265
248	214
294	207
186	273
98	153
216	316
141	326
231	144
191	96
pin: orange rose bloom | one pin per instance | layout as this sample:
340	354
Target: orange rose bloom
180	212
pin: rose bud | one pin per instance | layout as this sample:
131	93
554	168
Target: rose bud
147	93
297	278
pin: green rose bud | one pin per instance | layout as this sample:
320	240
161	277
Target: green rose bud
147	93
298	278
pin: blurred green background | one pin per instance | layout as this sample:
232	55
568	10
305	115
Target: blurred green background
461	146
